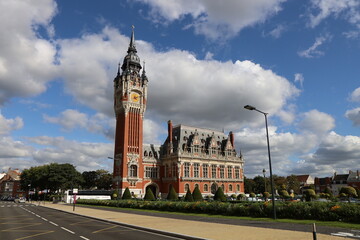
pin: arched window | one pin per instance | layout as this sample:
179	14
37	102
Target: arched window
230	188
238	187
145	154
197	185
206	188
133	171
150	154
187	187
214	187
223	187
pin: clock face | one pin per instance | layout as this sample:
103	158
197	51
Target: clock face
135	97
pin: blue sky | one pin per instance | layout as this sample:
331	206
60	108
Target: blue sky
205	60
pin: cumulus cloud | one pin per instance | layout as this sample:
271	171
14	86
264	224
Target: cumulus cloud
313	51
316	122
85	156
354	116
212	18
71	119
8	125
355	95
193	89
347	9
335	153
27	59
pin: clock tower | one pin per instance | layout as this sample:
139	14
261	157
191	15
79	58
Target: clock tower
130	94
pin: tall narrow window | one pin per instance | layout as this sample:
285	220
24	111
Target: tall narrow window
133	171
206	188
222	171
196	170
213	171
187	170
229	172
237	172
205	168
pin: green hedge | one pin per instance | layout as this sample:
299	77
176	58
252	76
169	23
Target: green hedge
323	211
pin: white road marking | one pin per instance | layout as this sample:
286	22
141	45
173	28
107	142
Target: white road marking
67	230
84	238
44	219
53	223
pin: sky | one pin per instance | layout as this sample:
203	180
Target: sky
298	61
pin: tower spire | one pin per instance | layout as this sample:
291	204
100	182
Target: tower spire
132	47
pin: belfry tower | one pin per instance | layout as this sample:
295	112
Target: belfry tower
130	94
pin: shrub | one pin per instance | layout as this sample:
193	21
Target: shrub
127	194
188	196
252	195
219	195
149	196
172	195
197	195
309	194
241	196
266	195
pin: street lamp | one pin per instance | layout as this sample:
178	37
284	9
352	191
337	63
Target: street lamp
248	107
264	171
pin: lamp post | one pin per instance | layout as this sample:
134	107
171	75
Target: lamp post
264	171
248	107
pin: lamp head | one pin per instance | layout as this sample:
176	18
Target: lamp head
249	107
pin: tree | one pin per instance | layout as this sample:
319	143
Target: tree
219	195
266	195
197	196
149	195
188	196
293	183
259	184
52	176
127	194
89	179
249	185
172	195
103	179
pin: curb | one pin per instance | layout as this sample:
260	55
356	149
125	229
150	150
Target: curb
152	230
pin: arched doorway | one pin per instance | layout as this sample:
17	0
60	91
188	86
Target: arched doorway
153	188
214	187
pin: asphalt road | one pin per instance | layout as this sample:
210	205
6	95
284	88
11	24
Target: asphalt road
29	221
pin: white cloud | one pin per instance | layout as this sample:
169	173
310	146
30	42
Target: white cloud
27	59
276	32
355	95
299	78
316	122
212	18
8	125
71	119
193	89
313	51
85	156
354	116
347	9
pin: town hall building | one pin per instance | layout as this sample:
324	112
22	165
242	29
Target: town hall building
190	156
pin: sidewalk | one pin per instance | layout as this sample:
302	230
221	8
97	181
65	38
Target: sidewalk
204	230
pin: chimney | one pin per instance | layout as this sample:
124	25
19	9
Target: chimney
232	139
170	128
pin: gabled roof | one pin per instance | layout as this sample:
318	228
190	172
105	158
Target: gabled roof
341	177
303	178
